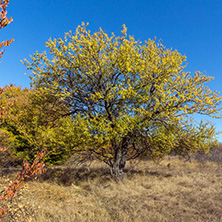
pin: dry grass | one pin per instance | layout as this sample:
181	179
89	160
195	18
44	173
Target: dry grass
181	191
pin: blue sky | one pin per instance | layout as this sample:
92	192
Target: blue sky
192	27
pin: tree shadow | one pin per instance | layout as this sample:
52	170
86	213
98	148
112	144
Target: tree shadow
66	176
9	171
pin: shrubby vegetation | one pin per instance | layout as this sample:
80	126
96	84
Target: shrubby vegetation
214	155
8	139
31	125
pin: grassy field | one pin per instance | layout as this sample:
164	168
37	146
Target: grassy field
179	191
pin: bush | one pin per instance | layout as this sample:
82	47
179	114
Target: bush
214	155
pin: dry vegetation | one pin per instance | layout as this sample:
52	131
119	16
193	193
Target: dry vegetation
179	191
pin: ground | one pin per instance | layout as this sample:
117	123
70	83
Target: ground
171	190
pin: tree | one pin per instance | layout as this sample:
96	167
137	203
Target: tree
30	126
4	21
126	98
4	138
8	99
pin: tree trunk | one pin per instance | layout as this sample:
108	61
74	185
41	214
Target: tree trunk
118	166
119	162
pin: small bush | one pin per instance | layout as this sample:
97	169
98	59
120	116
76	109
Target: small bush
215	155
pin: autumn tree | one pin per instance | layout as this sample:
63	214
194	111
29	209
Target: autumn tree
8	99
30	125
4	21
28	170
126	98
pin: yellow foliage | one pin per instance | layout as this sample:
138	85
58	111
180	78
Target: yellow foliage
120	89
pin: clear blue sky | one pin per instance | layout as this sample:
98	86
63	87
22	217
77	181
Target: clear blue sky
193	27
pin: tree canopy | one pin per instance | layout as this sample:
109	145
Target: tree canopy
126	98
